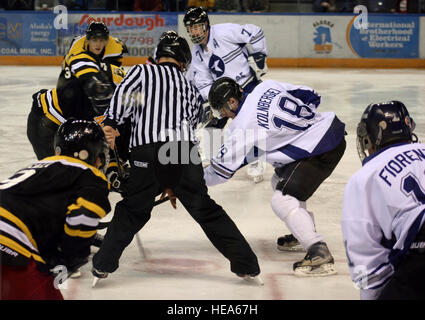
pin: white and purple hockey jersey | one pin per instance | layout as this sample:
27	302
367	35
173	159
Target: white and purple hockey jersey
226	56
279	123
383	209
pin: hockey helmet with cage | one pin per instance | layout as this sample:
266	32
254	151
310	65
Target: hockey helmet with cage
83	140
97	30
221	91
175	47
99	90
196	16
384	124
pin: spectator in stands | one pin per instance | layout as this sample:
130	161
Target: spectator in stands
324	5
19	4
147	5
45	4
255	6
206	4
174	5
120	5
227	6
74	4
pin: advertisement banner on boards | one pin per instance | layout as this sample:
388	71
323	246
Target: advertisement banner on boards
24	34
386	36
337	36
140	32
34	34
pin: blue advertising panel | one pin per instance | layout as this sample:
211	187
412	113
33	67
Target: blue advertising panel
386	36
27	34
34	34
140	32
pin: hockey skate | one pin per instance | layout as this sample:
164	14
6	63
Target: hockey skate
252	278
256	171
289	243
318	262
97	276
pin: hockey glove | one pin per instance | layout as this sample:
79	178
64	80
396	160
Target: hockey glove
258	65
117	182
205	115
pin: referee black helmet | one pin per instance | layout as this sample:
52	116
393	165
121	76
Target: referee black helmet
175	47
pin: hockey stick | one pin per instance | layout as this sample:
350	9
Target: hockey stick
103	225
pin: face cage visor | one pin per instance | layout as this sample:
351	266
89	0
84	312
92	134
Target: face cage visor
197	38
104	157
363	141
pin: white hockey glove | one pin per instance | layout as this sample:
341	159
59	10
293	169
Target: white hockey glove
258	65
205	115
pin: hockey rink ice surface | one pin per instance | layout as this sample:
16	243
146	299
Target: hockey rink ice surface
179	262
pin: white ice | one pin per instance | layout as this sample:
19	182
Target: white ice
179	262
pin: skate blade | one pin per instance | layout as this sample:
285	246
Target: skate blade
256	179
297	248
75	275
95	281
324	270
254	280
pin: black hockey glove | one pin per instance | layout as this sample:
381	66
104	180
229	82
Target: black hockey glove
118	184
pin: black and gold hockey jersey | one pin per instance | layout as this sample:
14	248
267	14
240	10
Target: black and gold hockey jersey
50	211
70	100
80	62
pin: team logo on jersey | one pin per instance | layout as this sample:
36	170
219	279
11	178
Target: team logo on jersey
322	36
216	65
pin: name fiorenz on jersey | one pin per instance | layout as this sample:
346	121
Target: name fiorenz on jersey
401	161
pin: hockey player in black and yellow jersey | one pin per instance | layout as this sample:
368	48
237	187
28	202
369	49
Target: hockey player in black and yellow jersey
90	54
49	212
52	107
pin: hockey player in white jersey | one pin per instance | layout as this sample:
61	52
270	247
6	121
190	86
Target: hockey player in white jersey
225	50
280	123
384	207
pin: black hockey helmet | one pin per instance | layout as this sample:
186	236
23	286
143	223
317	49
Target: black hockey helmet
99	89
222	90
193	16
383	124
176	48
84	140
97	30
168	33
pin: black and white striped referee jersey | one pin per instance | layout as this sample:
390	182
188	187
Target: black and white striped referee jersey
161	102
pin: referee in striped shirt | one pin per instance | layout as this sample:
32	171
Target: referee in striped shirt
164	109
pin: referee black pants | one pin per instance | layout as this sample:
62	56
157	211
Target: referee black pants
134	211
